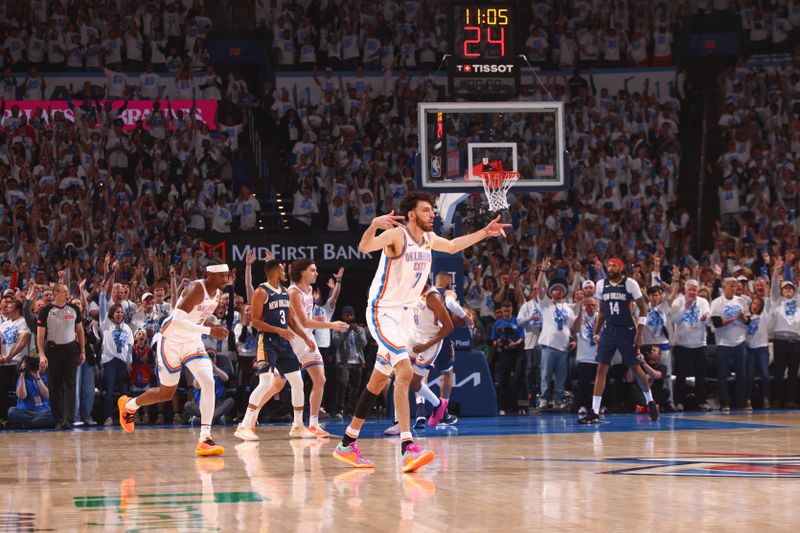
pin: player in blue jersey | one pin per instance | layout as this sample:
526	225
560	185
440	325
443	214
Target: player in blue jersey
445	359
273	317
618	331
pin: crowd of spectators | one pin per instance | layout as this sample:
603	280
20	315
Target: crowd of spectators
758	191
413	34
76	35
115	214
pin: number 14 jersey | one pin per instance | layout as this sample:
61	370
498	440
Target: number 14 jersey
616	300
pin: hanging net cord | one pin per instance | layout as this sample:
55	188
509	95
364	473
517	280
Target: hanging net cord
496	185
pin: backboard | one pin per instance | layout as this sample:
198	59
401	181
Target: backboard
458	140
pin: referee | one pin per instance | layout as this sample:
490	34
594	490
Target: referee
60	333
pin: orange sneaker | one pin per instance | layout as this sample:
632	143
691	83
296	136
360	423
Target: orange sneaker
126	416
318	431
415	458
351	456
208	448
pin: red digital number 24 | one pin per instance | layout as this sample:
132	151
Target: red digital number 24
467	42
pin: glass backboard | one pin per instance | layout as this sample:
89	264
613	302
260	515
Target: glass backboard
459	140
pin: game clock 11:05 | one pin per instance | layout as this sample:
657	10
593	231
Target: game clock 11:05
483	44
484	32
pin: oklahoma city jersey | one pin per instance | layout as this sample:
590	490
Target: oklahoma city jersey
308	300
426	325
399	281
198	315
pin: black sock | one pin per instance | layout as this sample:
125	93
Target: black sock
404	445
347	440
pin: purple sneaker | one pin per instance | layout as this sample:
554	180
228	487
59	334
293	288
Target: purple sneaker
437	415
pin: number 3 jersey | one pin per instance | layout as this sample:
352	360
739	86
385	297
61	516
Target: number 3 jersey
276	307
616	300
399	281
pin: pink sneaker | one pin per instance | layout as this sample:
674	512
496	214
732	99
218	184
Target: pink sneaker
351	456
415	457
437	415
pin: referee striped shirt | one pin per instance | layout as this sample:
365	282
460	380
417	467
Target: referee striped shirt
60	323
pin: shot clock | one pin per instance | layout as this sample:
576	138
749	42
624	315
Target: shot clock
483	46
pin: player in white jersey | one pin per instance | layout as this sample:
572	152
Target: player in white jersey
301	299
180	344
432	324
404	267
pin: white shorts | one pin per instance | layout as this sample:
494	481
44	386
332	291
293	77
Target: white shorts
390	328
421	361
306	357
172	356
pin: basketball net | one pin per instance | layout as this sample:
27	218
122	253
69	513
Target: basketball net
496	184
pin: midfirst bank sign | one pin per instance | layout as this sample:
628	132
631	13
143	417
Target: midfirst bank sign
341	249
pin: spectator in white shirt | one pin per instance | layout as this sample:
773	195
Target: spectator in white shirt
75	52
662	50
786	334
690	316
34	85
757	346
112	49
557	319
117	355
14	47
221	218
134	48
730	315
36	47
211	84
247	208
149	83
116	82
55	46
529	318
583	330
305	205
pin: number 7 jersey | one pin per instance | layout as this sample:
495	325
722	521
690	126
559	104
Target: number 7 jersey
399	280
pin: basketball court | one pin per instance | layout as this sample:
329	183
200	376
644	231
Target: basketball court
689	472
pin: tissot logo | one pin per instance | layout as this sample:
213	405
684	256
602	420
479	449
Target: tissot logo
485	69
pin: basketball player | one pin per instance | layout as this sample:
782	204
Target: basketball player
618	332
445	359
274	318
404	266
432	328
301	298
180	344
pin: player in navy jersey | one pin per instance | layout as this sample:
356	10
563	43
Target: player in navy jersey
618	331
273	317
445	359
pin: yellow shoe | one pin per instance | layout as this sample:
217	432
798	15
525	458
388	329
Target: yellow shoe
126	417
208	448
